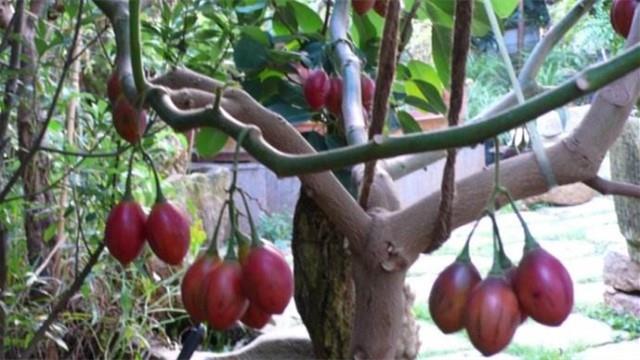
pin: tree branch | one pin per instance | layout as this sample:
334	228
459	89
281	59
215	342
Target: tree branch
349	66
610	187
384	82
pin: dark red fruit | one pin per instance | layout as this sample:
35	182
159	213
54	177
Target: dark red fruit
316	88
510	274
114	88
544	287
492	315
334	99
124	231
255	317
362	6
450	293
368	90
129	121
226	303
193	287
267	279
380	7
168	232
621	16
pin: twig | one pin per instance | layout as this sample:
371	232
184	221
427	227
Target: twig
384	81
611	187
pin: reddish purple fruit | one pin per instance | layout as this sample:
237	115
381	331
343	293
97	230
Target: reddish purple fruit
492	315
621	16
193	287
544	287
226	303
450	293
129	121
255	317
334	99
267	279
510	274
368	90
362	6
316	88
168	232
114	88
124	231
380	7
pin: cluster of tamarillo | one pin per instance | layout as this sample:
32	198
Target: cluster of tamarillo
363	6
321	91
491	309
129	120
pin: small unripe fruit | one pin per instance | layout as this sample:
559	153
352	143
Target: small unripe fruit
316	88
129	122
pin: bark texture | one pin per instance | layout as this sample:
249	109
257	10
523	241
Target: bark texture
324	291
37	215
625	166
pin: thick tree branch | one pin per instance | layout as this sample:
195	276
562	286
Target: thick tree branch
610	187
349	66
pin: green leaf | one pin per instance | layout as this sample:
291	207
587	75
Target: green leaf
441	52
422	71
504	8
424	96
210	141
408	123
308	20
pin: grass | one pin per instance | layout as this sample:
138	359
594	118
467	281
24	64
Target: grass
617	321
541	353
421	312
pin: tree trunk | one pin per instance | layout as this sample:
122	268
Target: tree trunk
324	291
37	207
625	166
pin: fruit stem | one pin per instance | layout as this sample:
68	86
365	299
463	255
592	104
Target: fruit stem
136	48
127	186
501	261
159	195
255	240
529	241
464	254
213	245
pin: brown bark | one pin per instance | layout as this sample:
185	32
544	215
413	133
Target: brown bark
324	291
35	175
625	166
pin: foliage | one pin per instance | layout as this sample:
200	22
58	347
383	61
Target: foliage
276	227
617	321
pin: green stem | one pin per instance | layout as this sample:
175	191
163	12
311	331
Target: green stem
255	240
136	46
464	254
501	261
213	245
127	187
159	195
529	241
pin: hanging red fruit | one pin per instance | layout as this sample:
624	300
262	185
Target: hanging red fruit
124	231
267	279
129	122
450	293
334	99
368	87
492	315
362	6
544	287
168	232
226	303
380	7
255	317
316	88
114	88
621	16
193	289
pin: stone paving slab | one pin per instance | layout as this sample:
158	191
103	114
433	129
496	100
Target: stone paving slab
628	350
577	331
